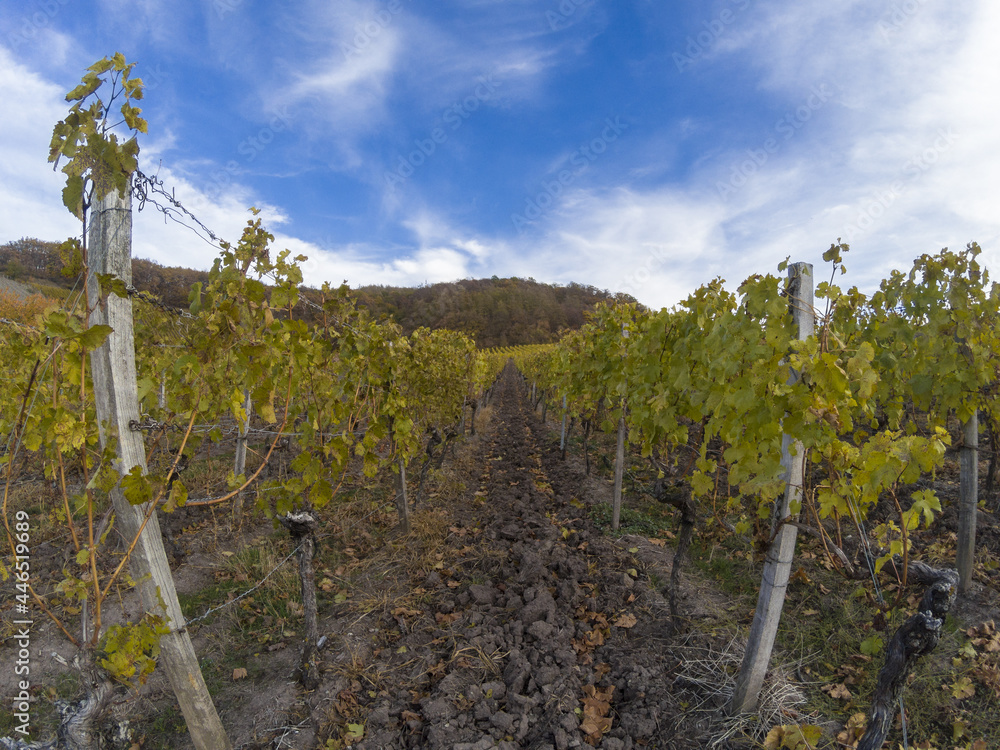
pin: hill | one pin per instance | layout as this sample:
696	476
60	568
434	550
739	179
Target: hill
493	312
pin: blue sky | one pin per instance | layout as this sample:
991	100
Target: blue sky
637	146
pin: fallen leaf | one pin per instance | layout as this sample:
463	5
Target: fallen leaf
963	688
838	690
801	575
239	673
626	621
406	612
596	706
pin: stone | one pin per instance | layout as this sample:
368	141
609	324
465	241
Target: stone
482	594
540	629
539	608
503	721
439	709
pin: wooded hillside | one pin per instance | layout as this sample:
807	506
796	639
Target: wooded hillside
493	312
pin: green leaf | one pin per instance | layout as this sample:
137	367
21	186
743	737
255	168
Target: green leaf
136	486
178	496
872	645
73	195
701	484
95	336
33	441
321	493
355	732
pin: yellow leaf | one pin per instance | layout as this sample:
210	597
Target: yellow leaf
963	688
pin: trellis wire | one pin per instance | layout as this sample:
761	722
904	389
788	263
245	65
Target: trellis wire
245	593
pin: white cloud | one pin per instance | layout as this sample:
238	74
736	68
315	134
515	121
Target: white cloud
658	245
30	193
902	158
359	265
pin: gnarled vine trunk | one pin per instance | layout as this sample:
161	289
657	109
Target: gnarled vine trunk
914	638
302	528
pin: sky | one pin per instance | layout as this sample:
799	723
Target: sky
636	146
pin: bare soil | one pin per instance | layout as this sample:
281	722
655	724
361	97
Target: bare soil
524	626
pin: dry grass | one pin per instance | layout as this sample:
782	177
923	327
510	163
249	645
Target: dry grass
708	673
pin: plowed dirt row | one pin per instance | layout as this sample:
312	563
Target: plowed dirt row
543	635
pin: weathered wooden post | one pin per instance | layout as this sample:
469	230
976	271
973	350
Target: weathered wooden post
116	395
402	504
616	506
778	563
562	437
968	501
240	463
616	503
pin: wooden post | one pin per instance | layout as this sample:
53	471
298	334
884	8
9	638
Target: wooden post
778	563
616	503
240	462
616	507
116	395
402	504
968	500
562	438
161	398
